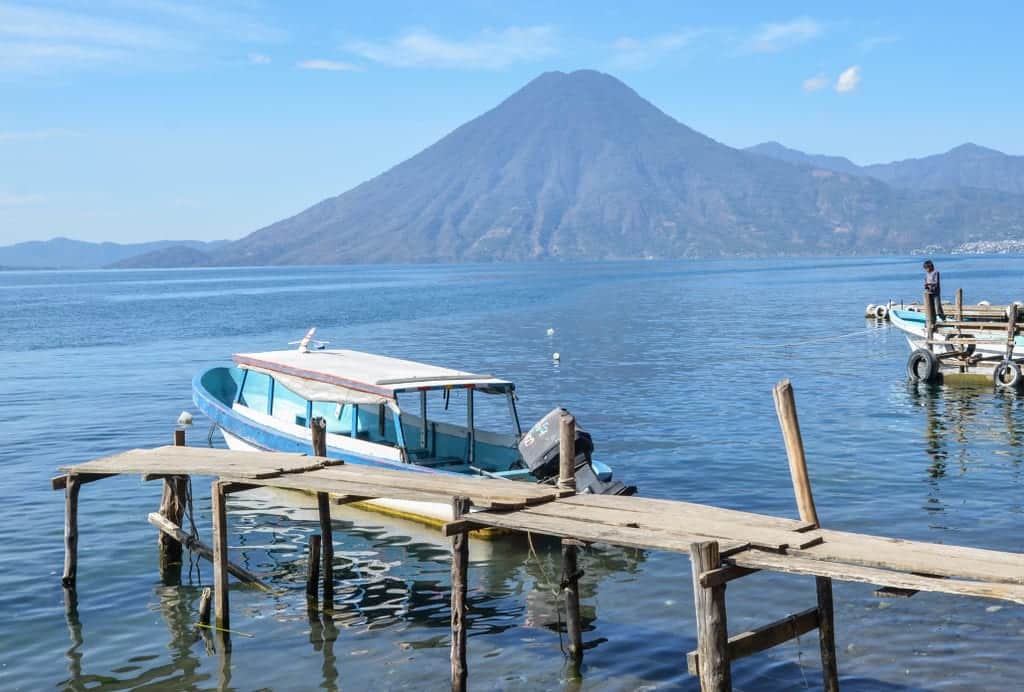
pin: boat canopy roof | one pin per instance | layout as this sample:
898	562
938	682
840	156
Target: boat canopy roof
353	376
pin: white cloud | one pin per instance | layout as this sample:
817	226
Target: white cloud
30	135
10	199
135	32
815	83
642	52
774	37
872	42
259	59
489	50
849	79
328	65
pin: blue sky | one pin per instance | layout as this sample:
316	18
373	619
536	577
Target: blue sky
131	120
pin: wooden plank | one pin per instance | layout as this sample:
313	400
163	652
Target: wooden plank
712	626
199	461
61	482
871	575
758	536
723	575
529	520
443	483
677	509
763	638
914	556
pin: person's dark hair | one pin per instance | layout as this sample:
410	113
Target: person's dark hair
928	264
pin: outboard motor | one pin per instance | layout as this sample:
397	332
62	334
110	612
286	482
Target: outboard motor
540	451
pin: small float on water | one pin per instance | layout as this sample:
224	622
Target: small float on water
464	423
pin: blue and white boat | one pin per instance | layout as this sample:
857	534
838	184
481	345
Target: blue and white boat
389	413
987	342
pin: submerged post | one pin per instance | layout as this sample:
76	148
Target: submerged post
567	452
571	586
204	606
318	427
71	532
220	558
313	576
460	571
712	627
785	407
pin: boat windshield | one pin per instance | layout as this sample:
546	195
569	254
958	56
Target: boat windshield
457	426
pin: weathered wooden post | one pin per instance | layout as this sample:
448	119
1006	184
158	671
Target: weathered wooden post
460	573
929	321
318	427
571	586
712	626
71	531
785	407
567	452
204	606
313	575
172	508
220	559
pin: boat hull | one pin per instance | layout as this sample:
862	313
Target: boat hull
912	324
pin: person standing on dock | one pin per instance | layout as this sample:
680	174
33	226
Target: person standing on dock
933	288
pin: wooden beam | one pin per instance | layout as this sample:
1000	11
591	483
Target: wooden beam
571	574
220	555
231	488
61	482
460	572
712	627
785	406
763	638
458	526
71	532
202	550
722	575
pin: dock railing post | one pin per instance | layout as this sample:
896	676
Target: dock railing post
712	626
929	321
220	562
71	532
785	407
318	428
571	586
460	572
172	508
567	452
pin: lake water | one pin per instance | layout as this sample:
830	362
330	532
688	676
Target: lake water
669	365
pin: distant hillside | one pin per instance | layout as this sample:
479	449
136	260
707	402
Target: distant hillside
967	165
173	256
580	166
782	153
64	253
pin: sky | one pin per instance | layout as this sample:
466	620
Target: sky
136	120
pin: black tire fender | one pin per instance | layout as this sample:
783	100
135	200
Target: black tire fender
922	366
1007	375
966	349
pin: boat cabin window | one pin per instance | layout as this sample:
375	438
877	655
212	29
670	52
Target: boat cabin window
255	391
288	406
372	421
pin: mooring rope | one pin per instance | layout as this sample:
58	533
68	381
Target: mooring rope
555	591
808	341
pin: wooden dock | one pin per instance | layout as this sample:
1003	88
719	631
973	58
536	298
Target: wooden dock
723	544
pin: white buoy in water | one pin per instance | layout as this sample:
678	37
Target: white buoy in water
556	356
551	331
185	418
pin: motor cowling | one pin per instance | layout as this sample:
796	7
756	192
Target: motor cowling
540	451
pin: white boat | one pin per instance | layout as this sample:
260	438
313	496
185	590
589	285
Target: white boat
464	423
986	342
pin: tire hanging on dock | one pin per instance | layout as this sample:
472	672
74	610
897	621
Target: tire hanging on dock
922	366
953	347
1007	375
881	312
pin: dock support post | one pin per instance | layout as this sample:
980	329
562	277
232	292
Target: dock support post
220	558
571	586
785	407
712	628
929	321
318	428
567	452
460	571
313	576
204	606
71	532
172	508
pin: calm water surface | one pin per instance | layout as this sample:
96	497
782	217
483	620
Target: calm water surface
669	365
